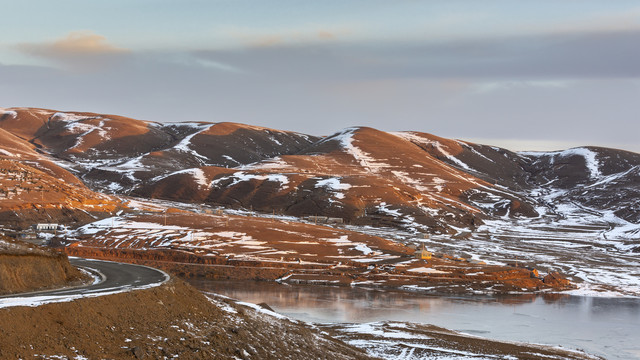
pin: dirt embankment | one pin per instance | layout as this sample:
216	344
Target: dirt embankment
186	264
459	277
170	321
25	267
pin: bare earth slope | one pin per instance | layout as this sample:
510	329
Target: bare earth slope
362	175
25	267
171	321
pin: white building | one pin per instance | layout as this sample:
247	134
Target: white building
46	227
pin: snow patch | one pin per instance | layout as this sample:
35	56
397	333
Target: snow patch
333	184
241	176
425	270
364	249
183	145
7	153
61	116
11	113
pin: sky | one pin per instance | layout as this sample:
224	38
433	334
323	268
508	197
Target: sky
526	75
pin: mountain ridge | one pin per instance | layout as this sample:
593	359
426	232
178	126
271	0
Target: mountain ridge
359	173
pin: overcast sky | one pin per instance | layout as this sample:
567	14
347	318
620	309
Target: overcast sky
525	75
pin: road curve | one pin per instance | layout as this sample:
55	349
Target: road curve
110	278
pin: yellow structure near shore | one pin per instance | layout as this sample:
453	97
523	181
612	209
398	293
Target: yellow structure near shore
423	254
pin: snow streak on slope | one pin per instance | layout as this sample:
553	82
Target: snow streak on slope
241	176
364	159
333	184
84	129
11	113
275	163
412	137
9	154
184	144
589	156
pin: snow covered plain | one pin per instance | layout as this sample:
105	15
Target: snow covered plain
592	249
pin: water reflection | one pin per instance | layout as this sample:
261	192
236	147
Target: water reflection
607	327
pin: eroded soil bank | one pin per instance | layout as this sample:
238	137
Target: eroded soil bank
25	267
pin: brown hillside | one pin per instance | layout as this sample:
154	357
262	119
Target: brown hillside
362	175
40	191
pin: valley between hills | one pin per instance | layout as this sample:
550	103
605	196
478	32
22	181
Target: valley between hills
234	201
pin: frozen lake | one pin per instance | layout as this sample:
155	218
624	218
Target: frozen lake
609	327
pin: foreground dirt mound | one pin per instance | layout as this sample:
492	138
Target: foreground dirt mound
26	267
171	321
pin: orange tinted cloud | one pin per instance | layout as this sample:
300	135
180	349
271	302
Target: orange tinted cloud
326	35
261	38
267	41
78	48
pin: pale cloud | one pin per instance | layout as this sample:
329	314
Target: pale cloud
477	24
83	49
491	86
543	61
628	20
294	36
189	60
